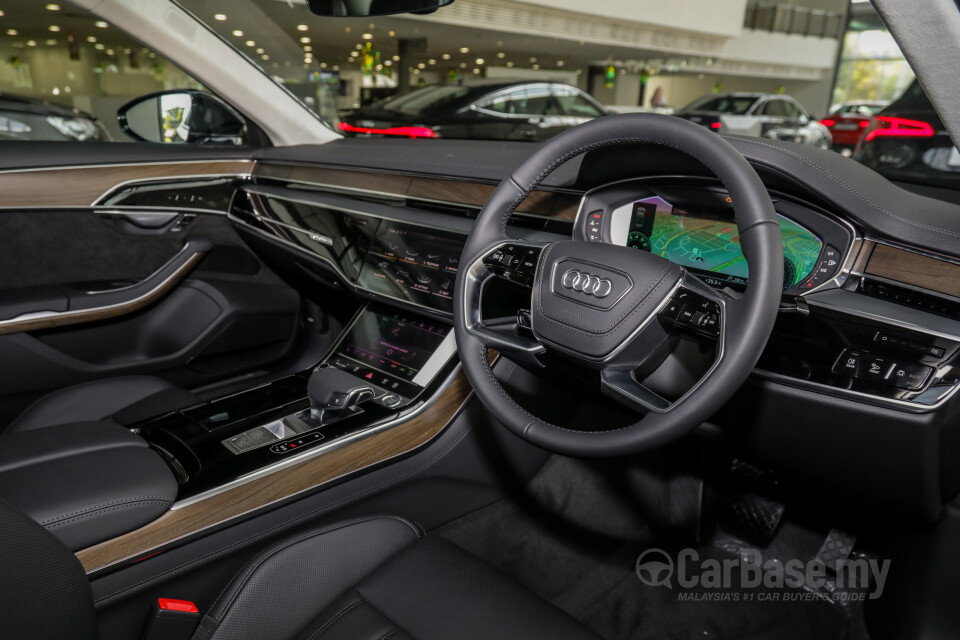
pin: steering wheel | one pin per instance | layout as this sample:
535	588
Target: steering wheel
616	310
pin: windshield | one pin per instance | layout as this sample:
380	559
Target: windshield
822	73
423	101
724	104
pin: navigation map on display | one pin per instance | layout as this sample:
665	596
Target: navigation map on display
712	244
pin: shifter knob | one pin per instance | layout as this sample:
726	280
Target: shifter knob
332	390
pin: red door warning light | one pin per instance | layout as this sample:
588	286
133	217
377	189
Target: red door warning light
369	376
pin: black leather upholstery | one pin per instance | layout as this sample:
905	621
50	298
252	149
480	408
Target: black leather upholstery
85	482
375	579
124	400
44	592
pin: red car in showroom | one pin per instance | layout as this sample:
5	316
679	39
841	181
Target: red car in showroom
847	121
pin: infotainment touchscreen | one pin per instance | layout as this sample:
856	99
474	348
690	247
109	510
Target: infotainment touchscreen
395	350
414	264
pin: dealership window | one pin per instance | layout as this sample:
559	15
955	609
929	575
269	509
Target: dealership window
76	64
573	103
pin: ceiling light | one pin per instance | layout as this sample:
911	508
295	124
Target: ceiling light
480	61
536	66
392	33
509	64
259	50
91	39
445	56
499	43
323	65
359	47
109	52
1	13
11	32
265	57
560	63
397	58
431	61
305	40
501	55
101	24
308	48
99	47
238	33
336	67
354	54
371	25
421	66
251	43
389	63
54	28
464	49
533	59
463	65
368	36
347	29
220	16
302	27
51	42
476	70
53	7
307	60
31	43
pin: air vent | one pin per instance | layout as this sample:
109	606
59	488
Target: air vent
910	298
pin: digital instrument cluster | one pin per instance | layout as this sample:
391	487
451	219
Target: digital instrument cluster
697	230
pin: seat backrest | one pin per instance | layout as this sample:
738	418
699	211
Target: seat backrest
44	592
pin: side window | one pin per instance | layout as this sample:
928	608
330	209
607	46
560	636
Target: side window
775	108
573	103
527	101
71	72
791	110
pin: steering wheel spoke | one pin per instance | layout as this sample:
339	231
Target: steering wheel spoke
624	387
517	262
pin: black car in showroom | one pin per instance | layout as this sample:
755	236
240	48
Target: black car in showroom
907	142
484	109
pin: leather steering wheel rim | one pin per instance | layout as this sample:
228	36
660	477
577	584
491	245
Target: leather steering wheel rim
748	319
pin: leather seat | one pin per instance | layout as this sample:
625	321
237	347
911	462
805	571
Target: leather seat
123	400
369	579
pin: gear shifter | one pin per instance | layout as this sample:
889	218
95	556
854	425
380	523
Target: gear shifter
333	390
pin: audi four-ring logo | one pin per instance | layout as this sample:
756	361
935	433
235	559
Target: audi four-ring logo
585	283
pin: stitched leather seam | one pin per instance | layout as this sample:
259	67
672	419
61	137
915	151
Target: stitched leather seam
106	504
330	621
387	634
850	189
92	514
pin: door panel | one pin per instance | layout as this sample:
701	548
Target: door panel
228	314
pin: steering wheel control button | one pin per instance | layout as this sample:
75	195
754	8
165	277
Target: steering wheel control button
296	444
848	364
911	377
524	318
692	312
594	226
514	262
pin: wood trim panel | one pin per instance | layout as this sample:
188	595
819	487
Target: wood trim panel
863	258
544	203
915	269
283	484
82	186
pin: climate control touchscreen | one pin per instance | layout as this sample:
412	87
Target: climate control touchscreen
413	264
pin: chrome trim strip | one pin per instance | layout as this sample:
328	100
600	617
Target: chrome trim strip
160	179
319	450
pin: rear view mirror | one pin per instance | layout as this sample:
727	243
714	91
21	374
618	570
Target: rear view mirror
363	8
183	116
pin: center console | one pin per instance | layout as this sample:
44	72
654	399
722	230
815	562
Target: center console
386	366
